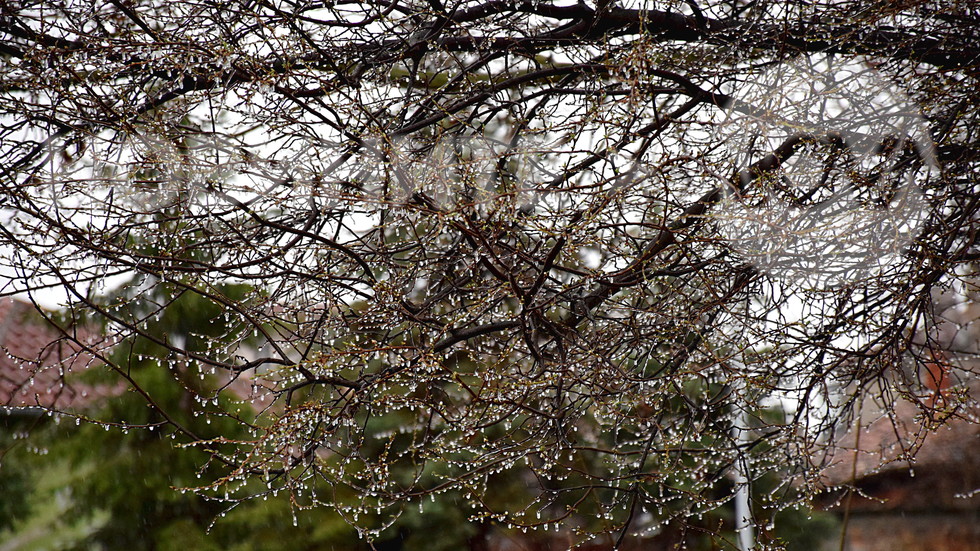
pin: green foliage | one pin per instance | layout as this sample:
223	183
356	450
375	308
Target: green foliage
15	479
96	486
111	484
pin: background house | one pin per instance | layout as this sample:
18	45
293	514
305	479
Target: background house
909	479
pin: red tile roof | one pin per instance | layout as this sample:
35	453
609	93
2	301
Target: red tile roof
908	458
35	357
